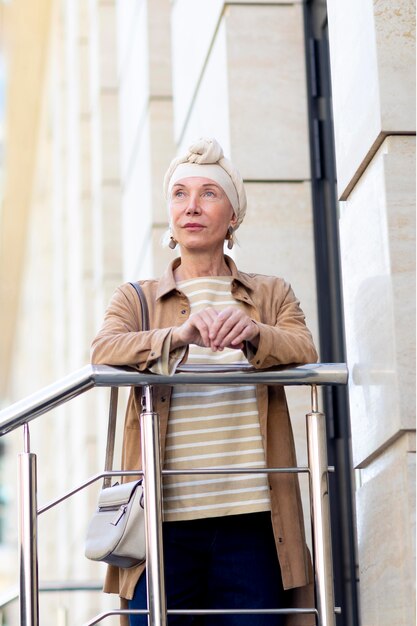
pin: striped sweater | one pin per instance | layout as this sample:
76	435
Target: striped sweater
213	426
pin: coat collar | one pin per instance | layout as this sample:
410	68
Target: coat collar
167	281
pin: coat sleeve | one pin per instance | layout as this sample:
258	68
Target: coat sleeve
286	340
120	340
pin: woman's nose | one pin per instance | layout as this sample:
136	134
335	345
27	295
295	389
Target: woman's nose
193	205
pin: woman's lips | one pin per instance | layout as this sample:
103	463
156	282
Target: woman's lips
193	226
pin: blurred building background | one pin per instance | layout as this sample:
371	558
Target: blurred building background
314	102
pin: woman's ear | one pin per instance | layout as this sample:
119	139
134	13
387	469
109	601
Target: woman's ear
233	220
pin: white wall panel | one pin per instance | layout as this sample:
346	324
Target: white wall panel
373	78
137	217
210	113
134	87
194	24
377	240
386	519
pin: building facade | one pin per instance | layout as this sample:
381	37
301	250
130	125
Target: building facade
101	96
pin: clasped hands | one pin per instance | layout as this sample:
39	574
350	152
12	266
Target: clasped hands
217	330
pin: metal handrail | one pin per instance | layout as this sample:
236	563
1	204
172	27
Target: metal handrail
90	376
24	411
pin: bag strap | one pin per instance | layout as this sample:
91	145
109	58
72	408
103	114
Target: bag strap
143	305
111	431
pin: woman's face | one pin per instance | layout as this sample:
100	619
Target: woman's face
200	213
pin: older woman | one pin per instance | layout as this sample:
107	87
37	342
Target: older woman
230	541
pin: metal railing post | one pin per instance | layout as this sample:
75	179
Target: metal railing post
28	536
152	478
111	435
320	513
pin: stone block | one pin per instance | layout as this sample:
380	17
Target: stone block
84	76
372	54
386	516
85	155
267	91
279	222
159	41
107	33
110	153
84	20
377	234
161	153
110	238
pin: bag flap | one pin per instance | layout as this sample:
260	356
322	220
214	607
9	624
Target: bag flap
118	494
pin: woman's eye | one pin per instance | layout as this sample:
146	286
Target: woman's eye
179	194
209	193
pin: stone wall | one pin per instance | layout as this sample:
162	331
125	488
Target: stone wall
372	51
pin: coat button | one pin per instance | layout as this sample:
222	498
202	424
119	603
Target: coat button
184	311
258	362
163	398
152	353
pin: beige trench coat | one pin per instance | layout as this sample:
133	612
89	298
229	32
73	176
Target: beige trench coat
284	339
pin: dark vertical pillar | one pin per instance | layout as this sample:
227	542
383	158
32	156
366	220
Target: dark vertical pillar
330	313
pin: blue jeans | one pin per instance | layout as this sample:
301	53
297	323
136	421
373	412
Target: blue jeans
220	562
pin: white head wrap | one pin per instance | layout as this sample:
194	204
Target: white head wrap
205	158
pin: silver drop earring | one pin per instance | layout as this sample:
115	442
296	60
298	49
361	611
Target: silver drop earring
172	243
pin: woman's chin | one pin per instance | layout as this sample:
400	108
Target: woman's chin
199	245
